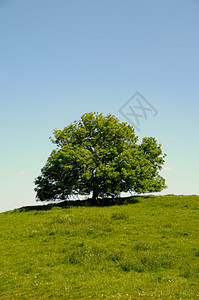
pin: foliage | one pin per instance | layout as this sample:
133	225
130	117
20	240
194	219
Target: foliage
147	249
100	155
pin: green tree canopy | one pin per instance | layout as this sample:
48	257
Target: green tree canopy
100	155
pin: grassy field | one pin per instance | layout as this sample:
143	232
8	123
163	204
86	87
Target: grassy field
147	248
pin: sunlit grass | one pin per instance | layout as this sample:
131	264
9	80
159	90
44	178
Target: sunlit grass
145	250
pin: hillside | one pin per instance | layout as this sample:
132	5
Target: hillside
147	248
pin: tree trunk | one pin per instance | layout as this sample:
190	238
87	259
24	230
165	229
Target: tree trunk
95	195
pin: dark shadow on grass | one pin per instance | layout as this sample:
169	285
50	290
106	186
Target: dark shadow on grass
88	203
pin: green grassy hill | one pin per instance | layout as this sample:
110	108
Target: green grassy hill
143	249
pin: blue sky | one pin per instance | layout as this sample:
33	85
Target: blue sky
60	59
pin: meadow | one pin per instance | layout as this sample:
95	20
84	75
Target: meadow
145	248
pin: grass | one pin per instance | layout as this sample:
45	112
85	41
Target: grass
147	248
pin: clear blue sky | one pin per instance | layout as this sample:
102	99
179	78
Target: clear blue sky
60	59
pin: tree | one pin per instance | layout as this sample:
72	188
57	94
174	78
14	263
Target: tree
100	155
